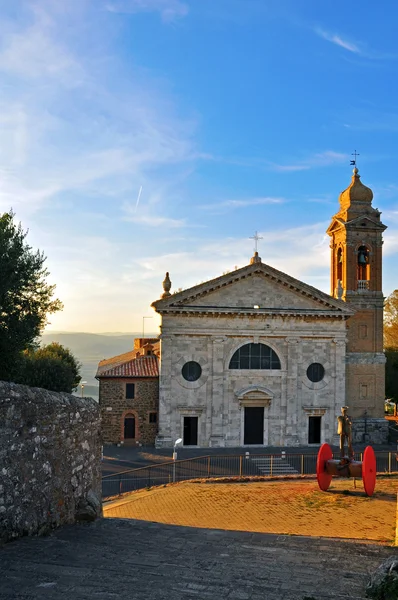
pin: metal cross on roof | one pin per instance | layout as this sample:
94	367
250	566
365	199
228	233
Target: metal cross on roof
256	237
355	154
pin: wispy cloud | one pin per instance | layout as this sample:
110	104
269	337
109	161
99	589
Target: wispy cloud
322	159
63	129
242	203
338	40
155	221
283	249
170	10
359	49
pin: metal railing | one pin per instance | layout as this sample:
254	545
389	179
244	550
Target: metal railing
212	467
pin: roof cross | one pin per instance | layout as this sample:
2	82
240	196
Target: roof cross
355	154
256	237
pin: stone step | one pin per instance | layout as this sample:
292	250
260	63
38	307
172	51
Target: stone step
280	466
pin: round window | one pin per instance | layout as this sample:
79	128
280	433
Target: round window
315	372
191	371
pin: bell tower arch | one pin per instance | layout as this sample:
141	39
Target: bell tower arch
356	277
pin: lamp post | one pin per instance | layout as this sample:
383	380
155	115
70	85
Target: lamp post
82	384
176	443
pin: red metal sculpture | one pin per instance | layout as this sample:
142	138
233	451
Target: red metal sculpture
327	467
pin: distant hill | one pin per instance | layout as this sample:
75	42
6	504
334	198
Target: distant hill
90	348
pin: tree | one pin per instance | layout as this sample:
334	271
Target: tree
52	367
392	374
391	345
25	297
391	321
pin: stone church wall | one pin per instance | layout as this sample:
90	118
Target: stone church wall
218	397
50	460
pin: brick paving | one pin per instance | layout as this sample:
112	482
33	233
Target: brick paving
116	558
294	507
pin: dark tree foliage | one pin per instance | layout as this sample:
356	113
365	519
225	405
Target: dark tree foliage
391	321
25	297
392	374
52	367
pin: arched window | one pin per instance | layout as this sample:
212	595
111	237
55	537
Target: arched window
363	263
340	264
255	356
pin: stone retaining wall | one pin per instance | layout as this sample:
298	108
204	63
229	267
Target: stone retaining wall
50	460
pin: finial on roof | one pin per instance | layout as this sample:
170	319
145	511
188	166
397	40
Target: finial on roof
166	286
255	258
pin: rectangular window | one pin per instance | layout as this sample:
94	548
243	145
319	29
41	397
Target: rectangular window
130	391
153	417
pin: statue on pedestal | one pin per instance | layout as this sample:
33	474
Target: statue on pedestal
344	429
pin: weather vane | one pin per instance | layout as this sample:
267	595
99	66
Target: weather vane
256	237
354	162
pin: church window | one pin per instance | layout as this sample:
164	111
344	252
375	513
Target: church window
340	264
153	417
191	371
315	372
130	391
255	356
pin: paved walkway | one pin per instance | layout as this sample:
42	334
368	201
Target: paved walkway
295	507
115	558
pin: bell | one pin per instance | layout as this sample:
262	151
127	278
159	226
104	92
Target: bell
361	259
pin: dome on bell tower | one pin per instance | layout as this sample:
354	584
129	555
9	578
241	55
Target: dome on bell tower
355	193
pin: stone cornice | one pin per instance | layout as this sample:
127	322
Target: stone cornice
220	311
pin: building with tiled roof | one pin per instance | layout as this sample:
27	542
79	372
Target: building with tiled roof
256	357
129	394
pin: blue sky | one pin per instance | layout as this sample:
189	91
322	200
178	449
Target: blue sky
145	136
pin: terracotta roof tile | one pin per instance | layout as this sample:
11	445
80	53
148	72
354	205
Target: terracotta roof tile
144	366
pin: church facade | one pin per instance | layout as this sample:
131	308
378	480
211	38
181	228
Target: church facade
258	358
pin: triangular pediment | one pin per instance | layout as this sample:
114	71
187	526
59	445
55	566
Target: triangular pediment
255	288
366	222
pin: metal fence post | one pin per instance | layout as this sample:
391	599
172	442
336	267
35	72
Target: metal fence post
302	464
389	462
240	465
208	466
120	485
270	465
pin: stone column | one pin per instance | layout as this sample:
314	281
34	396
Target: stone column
166	409
216	397
293	403
339	386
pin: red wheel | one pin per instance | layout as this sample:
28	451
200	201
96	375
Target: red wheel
325	453
369	470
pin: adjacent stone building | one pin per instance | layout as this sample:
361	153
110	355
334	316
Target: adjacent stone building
129	394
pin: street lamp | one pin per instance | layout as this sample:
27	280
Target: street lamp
176	443
82	384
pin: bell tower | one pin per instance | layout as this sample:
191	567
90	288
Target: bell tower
356	233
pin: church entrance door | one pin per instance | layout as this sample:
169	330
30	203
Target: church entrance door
314	430
190	431
129	428
254	425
